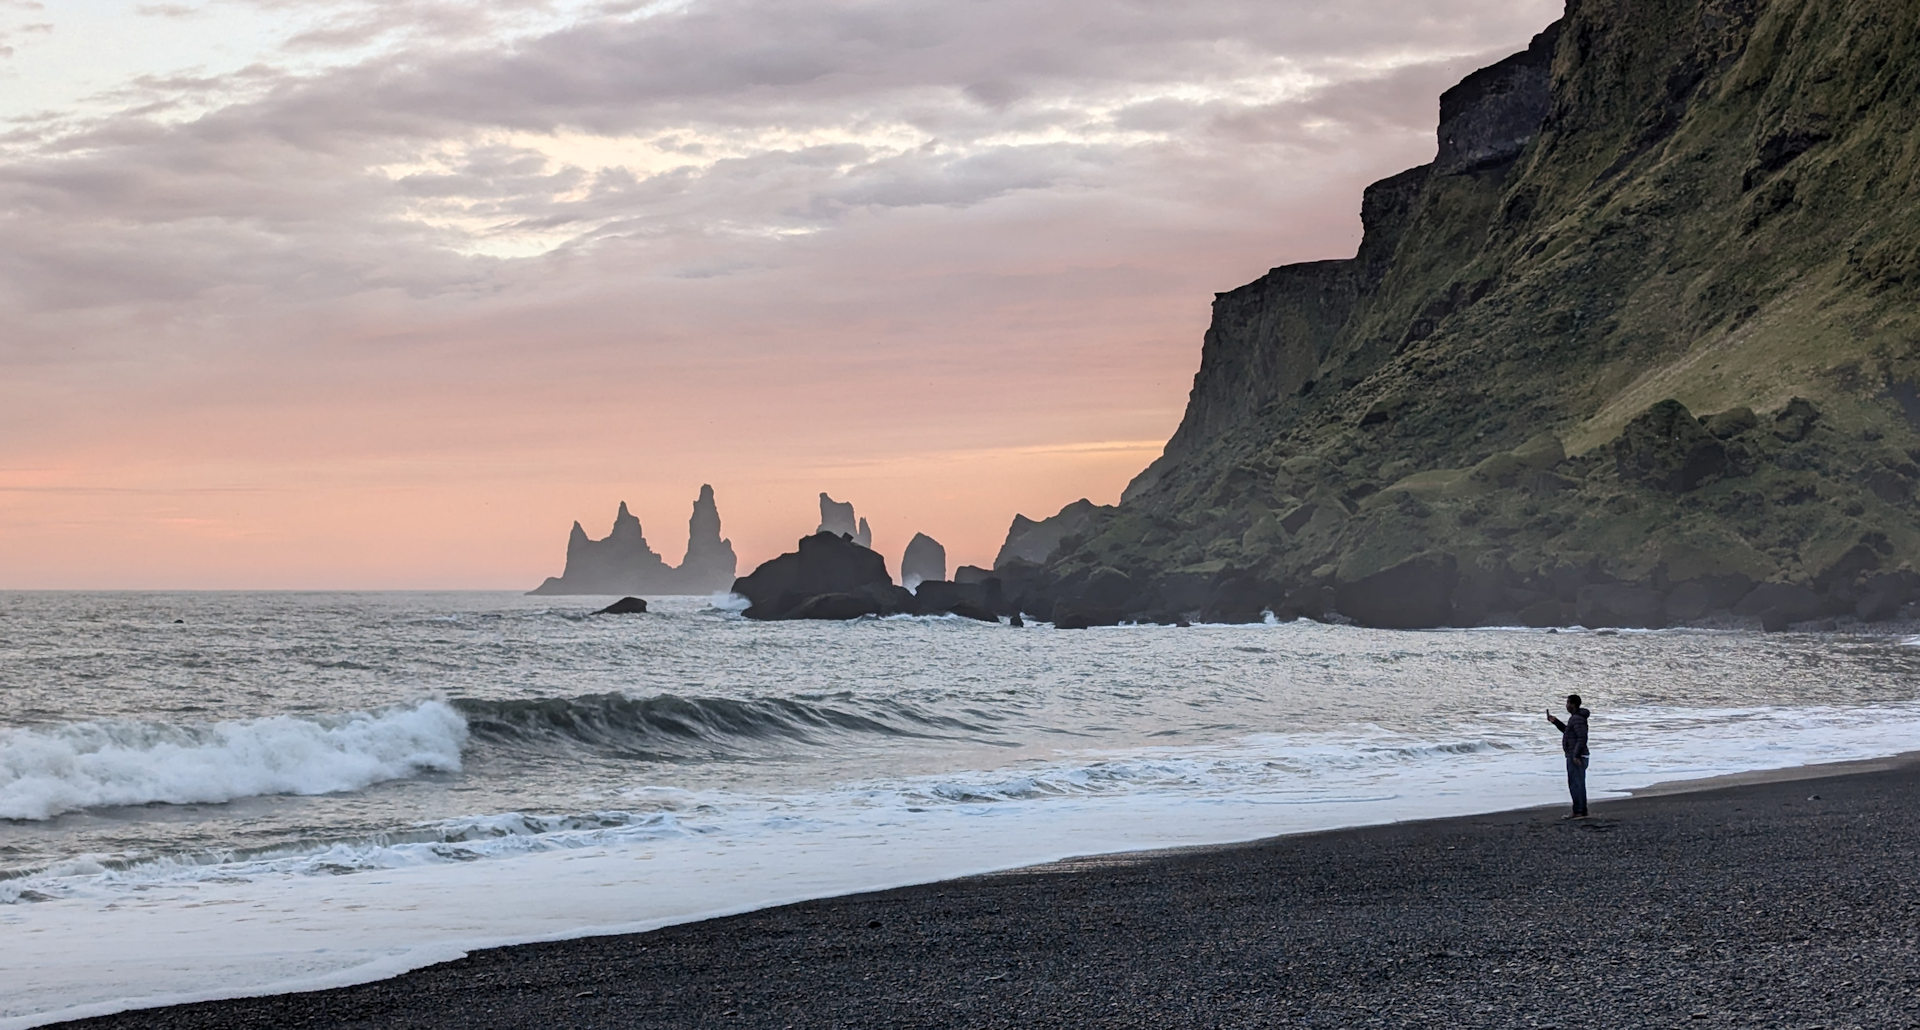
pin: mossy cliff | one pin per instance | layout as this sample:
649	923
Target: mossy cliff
1641	346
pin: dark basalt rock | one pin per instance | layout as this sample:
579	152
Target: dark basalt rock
1070	615
924	560
977	612
1666	448
1796	420
625	606
624	563
709	564
1035	541
824	564
1622	605
1413	594
1780	605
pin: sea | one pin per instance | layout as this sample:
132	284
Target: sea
207	795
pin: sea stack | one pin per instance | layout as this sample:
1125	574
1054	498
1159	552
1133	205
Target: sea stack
624	563
837	517
925	560
710	564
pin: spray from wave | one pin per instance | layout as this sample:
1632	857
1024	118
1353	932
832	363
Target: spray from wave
49	770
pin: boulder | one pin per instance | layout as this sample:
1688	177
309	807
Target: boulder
977	612
1796	420
1620	604
1238	597
823	564
1415	593
1882	595
924	560
1696	599
1070	615
1731	423
940	597
1779	605
835	607
625	606
1666	448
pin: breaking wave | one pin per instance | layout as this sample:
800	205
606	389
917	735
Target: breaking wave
667	727
45	771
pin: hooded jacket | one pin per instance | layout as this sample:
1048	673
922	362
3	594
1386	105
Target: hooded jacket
1573	734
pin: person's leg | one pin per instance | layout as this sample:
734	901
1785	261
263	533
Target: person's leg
1577	783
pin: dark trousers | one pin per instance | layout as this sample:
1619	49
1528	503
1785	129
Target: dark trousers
1577	782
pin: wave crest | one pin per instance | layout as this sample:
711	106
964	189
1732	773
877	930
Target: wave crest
45	771
668	727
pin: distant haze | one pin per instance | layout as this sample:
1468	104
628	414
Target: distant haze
387	293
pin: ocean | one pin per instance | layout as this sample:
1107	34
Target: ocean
211	794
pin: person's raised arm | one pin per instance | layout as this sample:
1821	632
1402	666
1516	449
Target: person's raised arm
1557	724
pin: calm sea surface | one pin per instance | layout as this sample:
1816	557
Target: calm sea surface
210	794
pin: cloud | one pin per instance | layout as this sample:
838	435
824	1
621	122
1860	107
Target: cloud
451	230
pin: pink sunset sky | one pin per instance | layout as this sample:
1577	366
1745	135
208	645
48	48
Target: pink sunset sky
387	293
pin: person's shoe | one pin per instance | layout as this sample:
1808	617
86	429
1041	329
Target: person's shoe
1570	815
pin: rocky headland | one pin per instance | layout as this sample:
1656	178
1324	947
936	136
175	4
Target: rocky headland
1639	347
624	563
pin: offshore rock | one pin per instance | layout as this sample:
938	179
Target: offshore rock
924	560
826	576
710	564
624	563
625	606
836	517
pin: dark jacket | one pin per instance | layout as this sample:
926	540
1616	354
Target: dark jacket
1573	734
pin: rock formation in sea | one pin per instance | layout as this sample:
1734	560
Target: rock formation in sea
837	517
827	576
709	565
924	559
1636	348
624	563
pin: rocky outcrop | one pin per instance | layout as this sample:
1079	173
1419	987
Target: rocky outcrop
621	563
837	517
709	565
827	576
1031	541
1491	116
1635	349
924	560
624	563
625	606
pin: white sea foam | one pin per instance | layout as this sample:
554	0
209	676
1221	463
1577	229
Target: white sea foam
45	771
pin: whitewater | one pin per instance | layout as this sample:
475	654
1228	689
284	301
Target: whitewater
205	795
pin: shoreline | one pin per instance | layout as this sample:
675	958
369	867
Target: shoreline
718	936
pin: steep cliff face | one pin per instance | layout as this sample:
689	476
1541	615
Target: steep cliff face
1270	338
1638	347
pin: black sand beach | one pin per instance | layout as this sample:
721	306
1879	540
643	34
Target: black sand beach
1786	903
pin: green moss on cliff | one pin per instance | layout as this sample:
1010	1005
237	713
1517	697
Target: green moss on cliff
1722	208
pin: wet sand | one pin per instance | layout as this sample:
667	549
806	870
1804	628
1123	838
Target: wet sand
1782	900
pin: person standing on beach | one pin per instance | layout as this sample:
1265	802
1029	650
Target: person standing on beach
1573	742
